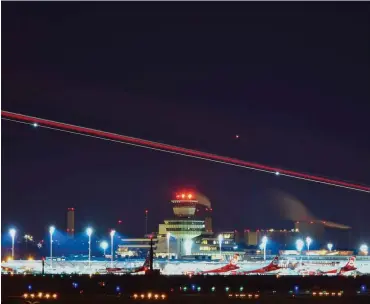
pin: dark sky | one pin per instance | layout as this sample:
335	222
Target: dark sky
292	79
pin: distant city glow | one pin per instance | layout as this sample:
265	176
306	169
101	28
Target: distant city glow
299	245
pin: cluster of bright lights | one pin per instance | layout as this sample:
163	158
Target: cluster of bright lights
12	232
149	296
89	231
243	295
308	241
185	196
104	245
364	249
327	293
263	243
299	244
40	295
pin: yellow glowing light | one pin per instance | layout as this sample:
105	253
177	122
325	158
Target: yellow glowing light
32	295
55	295
47	296
30	258
156	296
190	196
149	295
314	293
163	296
8	259
25	295
256	295
135	296
142	296
40	295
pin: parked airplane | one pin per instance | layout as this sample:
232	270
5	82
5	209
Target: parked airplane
144	267
346	270
272	268
224	269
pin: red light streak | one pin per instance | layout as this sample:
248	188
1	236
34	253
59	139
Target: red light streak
174	149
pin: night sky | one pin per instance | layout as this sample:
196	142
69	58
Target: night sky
291	79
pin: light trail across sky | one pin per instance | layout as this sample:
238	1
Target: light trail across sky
55	125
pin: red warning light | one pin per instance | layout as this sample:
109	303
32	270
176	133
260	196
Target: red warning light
146	211
177	196
119	222
236	136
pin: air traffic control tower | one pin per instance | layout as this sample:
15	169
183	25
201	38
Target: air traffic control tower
185	225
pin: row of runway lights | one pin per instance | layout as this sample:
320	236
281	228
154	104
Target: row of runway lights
40	295
193	287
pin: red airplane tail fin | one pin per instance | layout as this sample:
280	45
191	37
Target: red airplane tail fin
274	262
351	263
234	260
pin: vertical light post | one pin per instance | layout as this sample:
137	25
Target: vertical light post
12	233
299	245
168	244
104	246
330	246
308	242
220	238
264	244
112	233
51	232
89	232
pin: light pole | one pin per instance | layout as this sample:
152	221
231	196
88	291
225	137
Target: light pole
264	243
12	233
168	244
299	245
104	246
112	233
220	238
308	242
89	232
330	246
364	249
51	231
